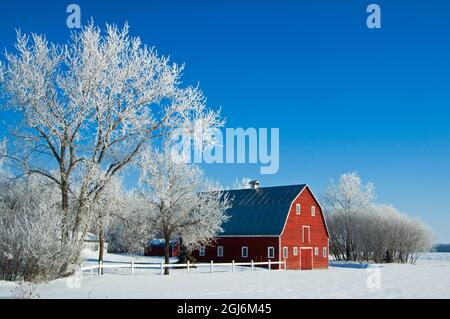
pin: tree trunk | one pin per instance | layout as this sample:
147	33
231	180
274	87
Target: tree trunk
166	253
101	241
65	209
347	249
65	217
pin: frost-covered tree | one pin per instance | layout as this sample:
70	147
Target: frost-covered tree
119	217
364	231
89	107
348	198
112	202
181	201
30	222
129	231
2	152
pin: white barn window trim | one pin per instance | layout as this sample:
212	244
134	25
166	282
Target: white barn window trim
244	252
285	252
298	209
295	251
270	252
313	211
219	251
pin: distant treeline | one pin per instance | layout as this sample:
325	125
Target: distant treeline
442	248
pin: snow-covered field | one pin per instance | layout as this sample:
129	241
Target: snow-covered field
429	278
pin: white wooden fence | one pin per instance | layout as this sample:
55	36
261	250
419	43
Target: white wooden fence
132	266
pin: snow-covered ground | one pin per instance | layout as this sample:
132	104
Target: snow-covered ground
429	278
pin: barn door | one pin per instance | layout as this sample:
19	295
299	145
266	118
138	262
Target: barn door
306	259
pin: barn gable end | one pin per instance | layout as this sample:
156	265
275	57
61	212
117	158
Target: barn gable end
305	236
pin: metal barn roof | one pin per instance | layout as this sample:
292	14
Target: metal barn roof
157	242
260	211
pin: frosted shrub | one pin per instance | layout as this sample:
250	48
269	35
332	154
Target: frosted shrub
363	231
180	201
386	235
25	290
31	248
30	241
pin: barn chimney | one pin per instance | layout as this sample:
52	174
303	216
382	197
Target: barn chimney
254	184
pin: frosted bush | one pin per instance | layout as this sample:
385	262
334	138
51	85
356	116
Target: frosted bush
30	234
25	290
363	231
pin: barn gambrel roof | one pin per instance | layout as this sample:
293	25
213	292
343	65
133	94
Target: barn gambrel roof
260	211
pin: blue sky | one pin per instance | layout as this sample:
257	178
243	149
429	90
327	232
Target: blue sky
345	98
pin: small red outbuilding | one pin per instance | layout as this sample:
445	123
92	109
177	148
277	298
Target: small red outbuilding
156	247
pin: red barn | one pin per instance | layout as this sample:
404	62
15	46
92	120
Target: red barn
276	223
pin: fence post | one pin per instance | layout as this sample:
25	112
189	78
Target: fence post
100	268
269	265
232	266
188	271
285	264
162	267
132	267
253	266
212	266
92	270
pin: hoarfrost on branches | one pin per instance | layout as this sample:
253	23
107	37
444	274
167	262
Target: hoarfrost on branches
349	198
88	109
361	230
182	202
25	290
30	222
2	152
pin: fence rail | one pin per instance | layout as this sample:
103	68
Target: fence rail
133	265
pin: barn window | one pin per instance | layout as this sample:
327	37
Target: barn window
313	211
285	252
219	251
244	252
201	251
316	251
298	209
324	252
270	252
295	251
306	235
